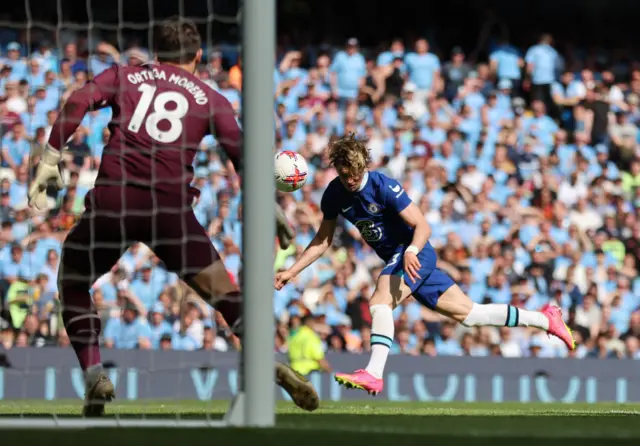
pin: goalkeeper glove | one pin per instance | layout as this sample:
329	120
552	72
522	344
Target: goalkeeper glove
47	173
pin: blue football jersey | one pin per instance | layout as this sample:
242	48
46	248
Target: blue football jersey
374	210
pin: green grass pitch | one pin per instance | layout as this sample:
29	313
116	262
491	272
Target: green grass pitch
367	423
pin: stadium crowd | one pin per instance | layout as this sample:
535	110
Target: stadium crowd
526	165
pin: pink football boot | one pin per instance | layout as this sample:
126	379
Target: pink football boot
557	327
361	379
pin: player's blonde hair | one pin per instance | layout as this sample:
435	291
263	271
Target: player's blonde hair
351	153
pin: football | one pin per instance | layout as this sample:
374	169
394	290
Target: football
291	171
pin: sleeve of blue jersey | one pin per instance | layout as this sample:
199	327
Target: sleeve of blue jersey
329	204
394	196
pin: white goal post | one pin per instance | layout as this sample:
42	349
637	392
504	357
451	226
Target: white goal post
254	404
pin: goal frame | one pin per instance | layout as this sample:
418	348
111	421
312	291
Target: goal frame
254	404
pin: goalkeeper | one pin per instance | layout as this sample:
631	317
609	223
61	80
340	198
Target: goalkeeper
143	193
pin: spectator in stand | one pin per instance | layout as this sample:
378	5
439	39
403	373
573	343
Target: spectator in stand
19	187
8	118
214	65
15	102
624	139
423	69
396	51
567	94
71	56
16	62
15	148
455	72
595	114
144	288
35	76
31	118
506	63
79	151
235	75
158	324
52	86
130	330
45	57
543	62
348	71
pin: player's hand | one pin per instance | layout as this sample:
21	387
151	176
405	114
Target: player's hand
282	278
47	173
412	266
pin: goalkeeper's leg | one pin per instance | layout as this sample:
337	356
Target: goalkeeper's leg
84	258
199	265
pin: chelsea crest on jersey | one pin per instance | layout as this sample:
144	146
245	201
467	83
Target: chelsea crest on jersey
374	210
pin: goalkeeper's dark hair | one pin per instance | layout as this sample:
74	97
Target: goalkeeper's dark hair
176	40
350	152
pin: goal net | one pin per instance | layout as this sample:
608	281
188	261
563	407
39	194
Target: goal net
171	357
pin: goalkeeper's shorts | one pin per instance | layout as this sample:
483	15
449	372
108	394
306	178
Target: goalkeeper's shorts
116	217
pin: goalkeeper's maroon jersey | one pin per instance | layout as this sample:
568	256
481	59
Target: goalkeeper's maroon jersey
161	113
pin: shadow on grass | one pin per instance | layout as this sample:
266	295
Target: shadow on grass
354	429
274	437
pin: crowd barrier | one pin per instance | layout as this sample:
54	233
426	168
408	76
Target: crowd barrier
51	373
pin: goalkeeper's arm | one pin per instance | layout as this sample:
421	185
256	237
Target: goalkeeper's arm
48	172
93	95
79	103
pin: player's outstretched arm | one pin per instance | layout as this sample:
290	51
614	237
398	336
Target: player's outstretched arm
313	252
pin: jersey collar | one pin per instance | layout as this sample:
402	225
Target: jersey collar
363	183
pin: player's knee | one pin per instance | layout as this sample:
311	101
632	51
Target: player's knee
379	298
212	282
464	310
455	304
463	320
